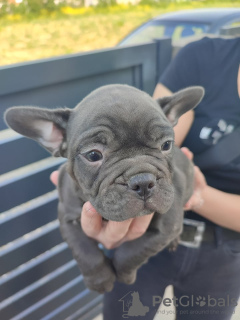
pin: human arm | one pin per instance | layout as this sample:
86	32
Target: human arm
217	206
221	208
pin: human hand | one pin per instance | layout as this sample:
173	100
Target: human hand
110	233
196	200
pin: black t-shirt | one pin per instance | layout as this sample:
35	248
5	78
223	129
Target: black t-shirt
213	64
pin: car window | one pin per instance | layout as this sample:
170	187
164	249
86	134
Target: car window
183	30
146	34
175	30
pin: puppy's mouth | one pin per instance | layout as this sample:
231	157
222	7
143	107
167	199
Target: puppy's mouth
120	206
140	194
138	214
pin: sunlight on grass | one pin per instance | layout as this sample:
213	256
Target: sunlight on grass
79	29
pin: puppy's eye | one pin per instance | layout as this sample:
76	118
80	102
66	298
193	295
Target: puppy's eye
166	146
93	155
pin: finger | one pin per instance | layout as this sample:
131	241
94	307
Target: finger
91	221
187	153
138	227
54	177
114	232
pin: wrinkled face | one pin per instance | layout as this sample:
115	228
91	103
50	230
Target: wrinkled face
123	160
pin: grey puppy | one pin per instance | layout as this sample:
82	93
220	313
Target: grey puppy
121	157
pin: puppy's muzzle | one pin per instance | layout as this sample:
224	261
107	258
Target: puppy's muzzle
143	184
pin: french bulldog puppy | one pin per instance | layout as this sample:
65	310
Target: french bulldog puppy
119	143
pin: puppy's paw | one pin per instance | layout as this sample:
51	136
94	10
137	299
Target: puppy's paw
101	282
127	278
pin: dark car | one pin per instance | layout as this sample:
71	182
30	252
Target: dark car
178	25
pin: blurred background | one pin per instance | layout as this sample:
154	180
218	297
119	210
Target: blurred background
35	29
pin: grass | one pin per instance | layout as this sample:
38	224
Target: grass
81	29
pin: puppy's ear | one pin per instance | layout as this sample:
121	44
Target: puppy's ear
47	127
180	102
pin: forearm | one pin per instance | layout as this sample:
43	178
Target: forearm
221	208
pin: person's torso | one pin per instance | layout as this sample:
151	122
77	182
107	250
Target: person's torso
219	112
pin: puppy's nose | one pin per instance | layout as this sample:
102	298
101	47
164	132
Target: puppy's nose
143	184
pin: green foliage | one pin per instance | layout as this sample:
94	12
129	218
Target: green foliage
28	7
162	3
20	9
106	3
50	6
5	8
33	8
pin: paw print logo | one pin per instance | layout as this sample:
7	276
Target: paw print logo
201	301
